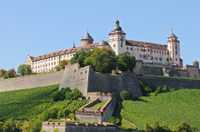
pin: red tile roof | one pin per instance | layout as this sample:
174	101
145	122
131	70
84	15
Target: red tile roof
66	51
145	44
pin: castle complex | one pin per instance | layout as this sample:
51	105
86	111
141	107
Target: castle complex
168	54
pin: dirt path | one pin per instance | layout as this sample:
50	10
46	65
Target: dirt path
130	122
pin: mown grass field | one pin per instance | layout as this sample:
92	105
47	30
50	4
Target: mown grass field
170	108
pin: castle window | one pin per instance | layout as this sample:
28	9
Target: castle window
176	48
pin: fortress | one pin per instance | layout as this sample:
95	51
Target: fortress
146	54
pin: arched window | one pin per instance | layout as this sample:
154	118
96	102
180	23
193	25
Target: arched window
114	45
127	48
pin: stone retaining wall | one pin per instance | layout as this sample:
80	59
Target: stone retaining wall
31	81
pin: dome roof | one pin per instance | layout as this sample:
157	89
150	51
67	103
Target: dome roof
87	36
117	27
103	43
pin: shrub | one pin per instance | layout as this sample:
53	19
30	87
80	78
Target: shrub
148	128
162	89
57	68
124	95
60	94
56	130
71	115
182	127
75	94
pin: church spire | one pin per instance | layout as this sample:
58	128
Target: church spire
73	44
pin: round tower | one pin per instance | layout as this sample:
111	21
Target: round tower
87	39
117	39
196	63
173	46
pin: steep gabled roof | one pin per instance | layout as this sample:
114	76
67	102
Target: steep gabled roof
145	44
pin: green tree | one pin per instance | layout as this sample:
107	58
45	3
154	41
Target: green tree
36	126
24	69
63	63
104	60
182	127
1	126
2	72
156	127
10	73
88	61
57	68
148	128
80	56
125	62
12	126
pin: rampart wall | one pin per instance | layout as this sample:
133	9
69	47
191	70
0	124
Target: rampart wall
171	82
31	81
160	70
86	80
82	127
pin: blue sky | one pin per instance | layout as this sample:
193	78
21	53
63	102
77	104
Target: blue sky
41	27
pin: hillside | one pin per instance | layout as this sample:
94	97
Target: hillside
30	103
170	108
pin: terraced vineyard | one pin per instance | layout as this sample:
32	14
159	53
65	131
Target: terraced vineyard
171	108
18	103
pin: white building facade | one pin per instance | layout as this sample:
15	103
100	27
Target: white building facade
168	54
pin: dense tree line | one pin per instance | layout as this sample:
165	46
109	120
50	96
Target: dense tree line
104	60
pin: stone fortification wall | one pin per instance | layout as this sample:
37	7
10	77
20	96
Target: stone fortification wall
31	81
74	77
159	70
101	114
86	80
113	84
171	82
82	127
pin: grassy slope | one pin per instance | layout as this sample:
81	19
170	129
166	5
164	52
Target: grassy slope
29	103
17	104
171	108
95	106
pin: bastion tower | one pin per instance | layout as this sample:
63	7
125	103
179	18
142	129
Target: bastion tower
117	39
87	39
173	46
